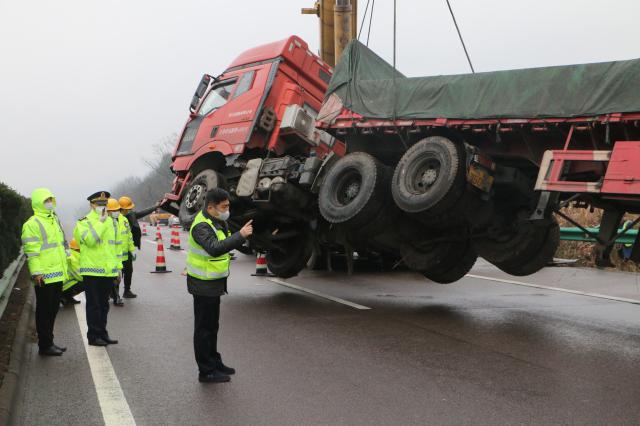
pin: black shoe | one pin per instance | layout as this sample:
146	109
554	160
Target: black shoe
118	302
110	341
215	377
97	342
60	348
129	295
50	351
225	370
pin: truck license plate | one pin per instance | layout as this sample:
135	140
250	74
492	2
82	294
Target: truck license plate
480	178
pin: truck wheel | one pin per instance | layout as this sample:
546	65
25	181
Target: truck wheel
193	200
354	190
537	247
455	264
294	257
430	177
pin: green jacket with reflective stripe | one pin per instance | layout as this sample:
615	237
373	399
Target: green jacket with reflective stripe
43	241
73	267
99	248
201	264
126	237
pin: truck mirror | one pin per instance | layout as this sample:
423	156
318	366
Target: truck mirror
200	90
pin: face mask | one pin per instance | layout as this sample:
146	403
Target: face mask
225	215
99	209
115	214
48	205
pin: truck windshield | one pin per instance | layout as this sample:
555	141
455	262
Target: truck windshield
217	97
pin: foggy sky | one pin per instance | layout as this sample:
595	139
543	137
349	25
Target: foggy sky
87	87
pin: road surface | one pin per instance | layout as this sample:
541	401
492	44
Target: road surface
372	349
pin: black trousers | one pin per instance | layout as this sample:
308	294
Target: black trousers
206	312
97	290
127	272
47	302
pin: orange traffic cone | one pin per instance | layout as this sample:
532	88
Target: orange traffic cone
261	267
158	233
144	228
175	238
161	266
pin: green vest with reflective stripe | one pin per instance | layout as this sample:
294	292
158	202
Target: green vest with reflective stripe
44	245
126	237
73	267
199	263
99	248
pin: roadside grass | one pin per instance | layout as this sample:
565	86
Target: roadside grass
585	252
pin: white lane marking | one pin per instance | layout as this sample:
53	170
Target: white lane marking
113	404
564	290
319	294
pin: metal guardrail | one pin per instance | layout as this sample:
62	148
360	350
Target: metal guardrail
8	280
577	234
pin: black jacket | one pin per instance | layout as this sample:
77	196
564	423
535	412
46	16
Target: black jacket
203	234
133	217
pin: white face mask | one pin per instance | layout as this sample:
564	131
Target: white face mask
99	209
115	214
48	205
224	215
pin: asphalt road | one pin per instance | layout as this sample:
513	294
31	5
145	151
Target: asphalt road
474	352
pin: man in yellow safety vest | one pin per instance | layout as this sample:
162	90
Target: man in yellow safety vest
207	270
100	265
45	246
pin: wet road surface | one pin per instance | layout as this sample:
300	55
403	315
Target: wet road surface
473	352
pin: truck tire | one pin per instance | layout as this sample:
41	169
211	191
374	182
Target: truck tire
535	252
354	190
455	264
430	178
193	200
294	257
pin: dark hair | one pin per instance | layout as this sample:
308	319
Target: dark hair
216	196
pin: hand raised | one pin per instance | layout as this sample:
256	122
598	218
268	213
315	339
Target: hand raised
247	229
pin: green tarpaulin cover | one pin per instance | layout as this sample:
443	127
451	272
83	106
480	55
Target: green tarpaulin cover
364	82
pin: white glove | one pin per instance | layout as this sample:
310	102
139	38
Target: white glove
133	257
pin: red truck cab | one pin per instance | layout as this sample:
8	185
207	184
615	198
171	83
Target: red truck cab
239	115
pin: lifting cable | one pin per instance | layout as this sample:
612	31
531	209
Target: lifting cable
459	35
364	17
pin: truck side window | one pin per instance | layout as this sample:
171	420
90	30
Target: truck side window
244	84
218	96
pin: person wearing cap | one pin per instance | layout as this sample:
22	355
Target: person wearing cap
100	266
73	284
45	246
124	243
127	206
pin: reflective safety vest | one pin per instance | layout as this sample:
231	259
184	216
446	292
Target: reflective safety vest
124	230
73	266
43	243
99	246
202	265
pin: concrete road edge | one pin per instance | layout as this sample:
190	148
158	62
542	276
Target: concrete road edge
11	382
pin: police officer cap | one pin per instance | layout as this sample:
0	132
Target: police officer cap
99	197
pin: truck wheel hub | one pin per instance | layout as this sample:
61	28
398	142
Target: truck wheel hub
193	196
422	176
348	188
429	177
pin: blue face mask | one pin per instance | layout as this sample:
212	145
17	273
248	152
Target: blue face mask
48	205
225	215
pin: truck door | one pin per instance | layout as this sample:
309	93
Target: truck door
229	109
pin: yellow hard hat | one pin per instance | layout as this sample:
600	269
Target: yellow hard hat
74	244
113	205
126	203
